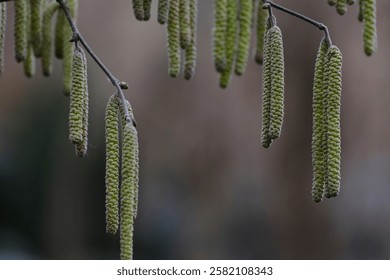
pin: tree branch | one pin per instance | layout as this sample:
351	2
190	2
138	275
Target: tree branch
77	37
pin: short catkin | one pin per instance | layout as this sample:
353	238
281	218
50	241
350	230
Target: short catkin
244	35
20	29
231	43
260	28
185	28
77	96
369	32
341	7
162	11
147	9
173	38
333	135
3	21
219	34
36	26
190	51
319	128
138	7
277	82
112	164
47	37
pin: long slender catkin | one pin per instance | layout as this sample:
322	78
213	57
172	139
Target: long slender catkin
36	26
3	21
29	61
341	7
77	95
68	47
266	139
369	32
360	14
190	51
47	37
260	28
231	41
138	7
277	82
20	29
173	35
162	11
185	22
147	9
319	115
112	164
59	34
219	34
244	35
333	137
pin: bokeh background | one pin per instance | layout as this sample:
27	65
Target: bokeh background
208	190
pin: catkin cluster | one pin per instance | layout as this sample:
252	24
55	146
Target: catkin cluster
326	138
125	197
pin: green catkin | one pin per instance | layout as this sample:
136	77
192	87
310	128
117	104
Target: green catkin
261	22
332	2
219	34
59	34
20	30
29	61
185	24
162	11
3	20
68	47
369	32
341	7
360	15
319	114
77	102
350	2
277	82
190	51
112	164
82	148
333	137
36	26
147	9
231	40
244	37
138	7
47	37
173	35
266	139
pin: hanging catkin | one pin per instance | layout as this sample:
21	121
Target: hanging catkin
244	37
112	164
360	15
369	21
341	7
260	27
190	51
29	61
266	139
77	97
231	40
333	100
185	22
350	2
138	7
36	26
68	47
20	30
3	20
147	9
173	35
59	34
47	37
332	2
319	115
162	11
219	34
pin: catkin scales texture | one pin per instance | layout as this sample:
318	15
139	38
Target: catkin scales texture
162	11
190	51
369	21
219	34
266	139
185	22
244	37
173	36
138	7
20	29
36	25
47	38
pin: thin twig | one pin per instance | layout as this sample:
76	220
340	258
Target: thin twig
77	37
317	24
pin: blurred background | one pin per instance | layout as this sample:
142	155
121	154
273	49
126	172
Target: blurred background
208	190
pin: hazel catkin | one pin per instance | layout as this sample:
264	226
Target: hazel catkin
20	29
244	35
47	37
190	51
260	28
341	7
369	31
3	21
59	34
219	34
138	7
147	9
185	28
36	26
173	38
162	11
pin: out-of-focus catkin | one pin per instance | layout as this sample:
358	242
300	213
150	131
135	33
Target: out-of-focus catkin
112	164
190	51
262	15
360	14
244	35
369	32
219	34
36	26
333	136
266	139
173	35
59	34
350	2
231	43
3	21
20	29
138	7
319	128
162	11
147	9
341	7
185	24
47	37
332	2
